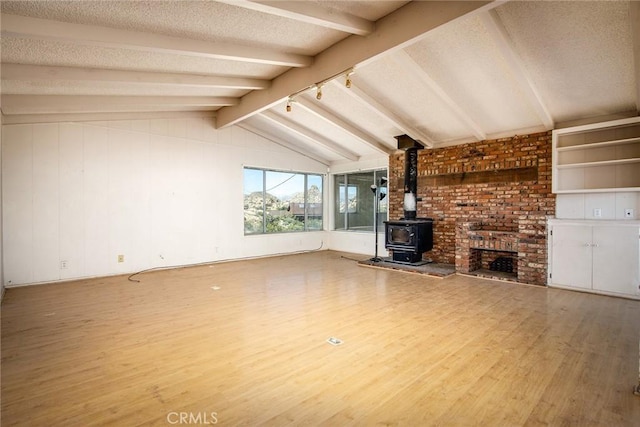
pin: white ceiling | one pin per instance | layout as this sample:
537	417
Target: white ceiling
442	72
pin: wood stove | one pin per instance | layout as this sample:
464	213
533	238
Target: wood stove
409	239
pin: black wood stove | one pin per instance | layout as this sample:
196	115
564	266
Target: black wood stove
409	237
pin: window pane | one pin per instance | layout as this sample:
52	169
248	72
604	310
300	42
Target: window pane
253	201
284	202
355	201
352	198
314	202
277	201
360	201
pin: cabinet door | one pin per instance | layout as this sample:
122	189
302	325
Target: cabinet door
571	256
615	259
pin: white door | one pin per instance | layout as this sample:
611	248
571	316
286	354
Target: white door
616	252
571	256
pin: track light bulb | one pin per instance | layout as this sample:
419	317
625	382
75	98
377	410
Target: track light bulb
347	83
288	106
319	93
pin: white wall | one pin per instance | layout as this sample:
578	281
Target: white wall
355	241
611	205
160	192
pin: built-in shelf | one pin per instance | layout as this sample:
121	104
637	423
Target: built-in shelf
598	144
599	163
597	157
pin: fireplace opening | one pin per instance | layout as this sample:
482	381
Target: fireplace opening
502	263
487	252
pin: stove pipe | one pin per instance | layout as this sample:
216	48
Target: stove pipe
411	147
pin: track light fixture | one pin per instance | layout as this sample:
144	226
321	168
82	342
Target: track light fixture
318	86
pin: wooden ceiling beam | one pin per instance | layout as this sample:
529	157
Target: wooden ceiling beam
310	13
93	35
399	29
407	63
39	72
109	116
52	104
385	112
315	109
501	38
309	135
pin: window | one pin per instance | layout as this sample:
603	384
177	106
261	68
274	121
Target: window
278	202
348	198
355	201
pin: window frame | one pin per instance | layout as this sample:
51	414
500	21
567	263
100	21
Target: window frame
307	216
341	184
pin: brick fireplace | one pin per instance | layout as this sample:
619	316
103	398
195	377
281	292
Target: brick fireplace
479	249
488	200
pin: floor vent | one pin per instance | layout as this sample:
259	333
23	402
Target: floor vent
334	341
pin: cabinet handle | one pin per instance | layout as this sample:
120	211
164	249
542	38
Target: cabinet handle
595	245
587	244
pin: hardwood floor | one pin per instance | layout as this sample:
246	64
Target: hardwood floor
416	350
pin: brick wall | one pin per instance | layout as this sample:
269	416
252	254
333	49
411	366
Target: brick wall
503	184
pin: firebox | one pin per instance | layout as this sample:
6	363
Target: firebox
409	238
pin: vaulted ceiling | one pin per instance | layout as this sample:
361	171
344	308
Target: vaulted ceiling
442	72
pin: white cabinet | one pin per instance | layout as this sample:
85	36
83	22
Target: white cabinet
571	255
597	256
597	157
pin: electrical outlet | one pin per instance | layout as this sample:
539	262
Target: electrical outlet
628	213
120	258
64	264
597	213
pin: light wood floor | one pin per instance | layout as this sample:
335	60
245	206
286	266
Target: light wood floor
417	350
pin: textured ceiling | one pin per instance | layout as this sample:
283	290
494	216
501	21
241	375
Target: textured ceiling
201	20
581	58
442	72
51	52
